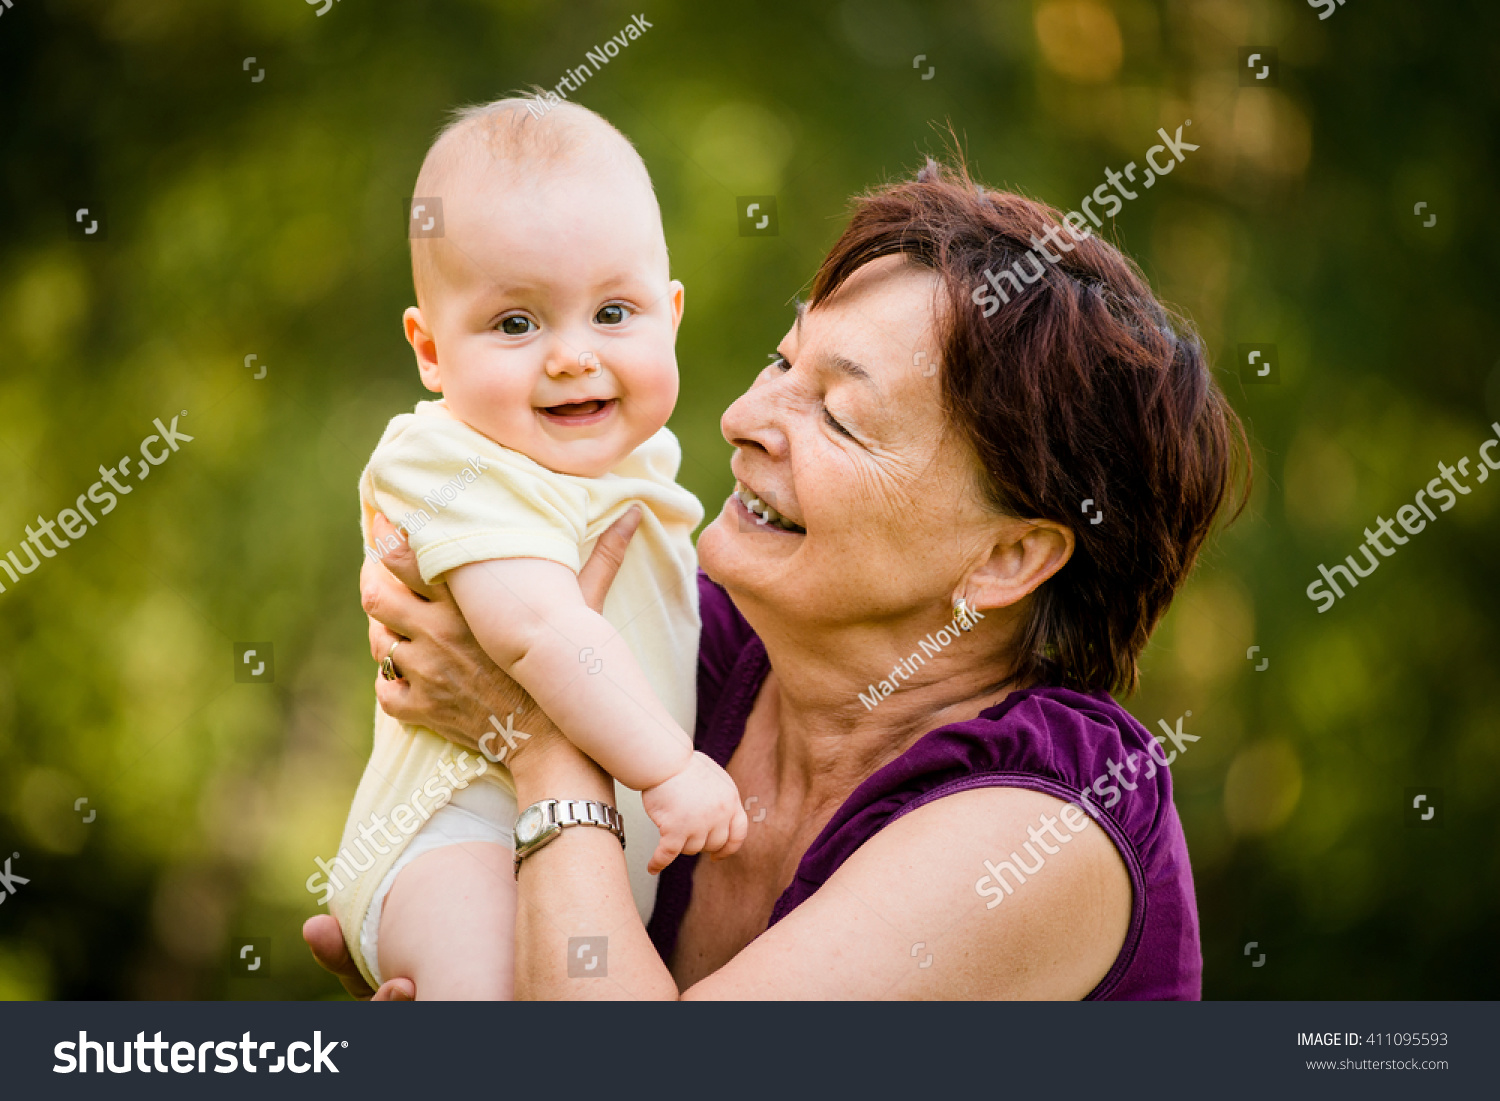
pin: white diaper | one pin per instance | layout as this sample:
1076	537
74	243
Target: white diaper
479	812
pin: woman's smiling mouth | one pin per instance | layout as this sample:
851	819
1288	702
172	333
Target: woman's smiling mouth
579	414
762	513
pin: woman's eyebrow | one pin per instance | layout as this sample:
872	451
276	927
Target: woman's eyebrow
849	367
840	363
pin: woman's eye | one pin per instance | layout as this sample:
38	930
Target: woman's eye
780	362
611	315
837	427
517	325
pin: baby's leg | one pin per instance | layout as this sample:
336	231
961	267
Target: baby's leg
449	923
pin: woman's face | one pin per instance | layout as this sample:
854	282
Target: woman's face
845	437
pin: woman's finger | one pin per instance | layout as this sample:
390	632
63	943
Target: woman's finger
321	931
599	571
396	700
397	557
396	990
386	599
382	638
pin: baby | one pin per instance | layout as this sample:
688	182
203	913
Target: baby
547	320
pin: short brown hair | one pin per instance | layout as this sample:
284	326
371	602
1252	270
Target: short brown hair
1080	386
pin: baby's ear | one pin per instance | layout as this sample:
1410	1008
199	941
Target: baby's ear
676	291
419	336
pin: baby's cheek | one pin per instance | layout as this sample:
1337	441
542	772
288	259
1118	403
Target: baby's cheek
659	390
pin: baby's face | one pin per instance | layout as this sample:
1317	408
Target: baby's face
551	325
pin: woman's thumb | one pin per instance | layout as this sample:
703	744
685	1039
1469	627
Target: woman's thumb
599	571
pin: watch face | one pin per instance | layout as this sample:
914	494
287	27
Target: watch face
529	825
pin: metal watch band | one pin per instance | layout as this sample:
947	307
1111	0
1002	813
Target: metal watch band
587	812
560	813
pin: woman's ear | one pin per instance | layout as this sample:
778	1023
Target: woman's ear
1027	553
420	337
676	291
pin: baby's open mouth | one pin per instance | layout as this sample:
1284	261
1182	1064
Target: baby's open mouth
585	412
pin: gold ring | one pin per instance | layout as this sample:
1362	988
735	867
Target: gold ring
388	663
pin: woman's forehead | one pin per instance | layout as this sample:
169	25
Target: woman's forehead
889	297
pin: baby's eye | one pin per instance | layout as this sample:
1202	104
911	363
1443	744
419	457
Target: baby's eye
613	314
516	325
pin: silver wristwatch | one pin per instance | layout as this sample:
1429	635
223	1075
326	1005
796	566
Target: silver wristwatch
541	822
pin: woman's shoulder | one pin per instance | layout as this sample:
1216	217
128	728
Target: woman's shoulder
1082	748
1084	740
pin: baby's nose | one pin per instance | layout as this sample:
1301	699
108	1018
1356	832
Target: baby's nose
567	361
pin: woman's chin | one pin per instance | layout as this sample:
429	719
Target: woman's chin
730	549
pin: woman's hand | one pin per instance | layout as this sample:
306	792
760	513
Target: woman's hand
447	682
322	934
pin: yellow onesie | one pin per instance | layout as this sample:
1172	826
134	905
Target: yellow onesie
462	498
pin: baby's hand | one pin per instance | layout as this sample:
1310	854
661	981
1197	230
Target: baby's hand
698	810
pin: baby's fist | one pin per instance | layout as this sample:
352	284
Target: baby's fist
698	810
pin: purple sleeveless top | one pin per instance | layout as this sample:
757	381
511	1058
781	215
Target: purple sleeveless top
1045	739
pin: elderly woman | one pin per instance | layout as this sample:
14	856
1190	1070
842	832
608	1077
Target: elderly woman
979	515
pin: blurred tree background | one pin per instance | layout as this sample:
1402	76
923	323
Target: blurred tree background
263	215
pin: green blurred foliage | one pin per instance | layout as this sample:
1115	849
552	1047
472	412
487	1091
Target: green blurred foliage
266	218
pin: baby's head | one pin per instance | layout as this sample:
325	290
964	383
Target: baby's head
545	312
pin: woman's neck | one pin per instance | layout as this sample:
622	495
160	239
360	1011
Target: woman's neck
842	711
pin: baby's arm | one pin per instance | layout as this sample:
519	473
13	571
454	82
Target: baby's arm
530	617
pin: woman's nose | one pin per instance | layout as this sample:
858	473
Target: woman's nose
756	419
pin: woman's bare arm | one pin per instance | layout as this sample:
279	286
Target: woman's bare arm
448	683
903	918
